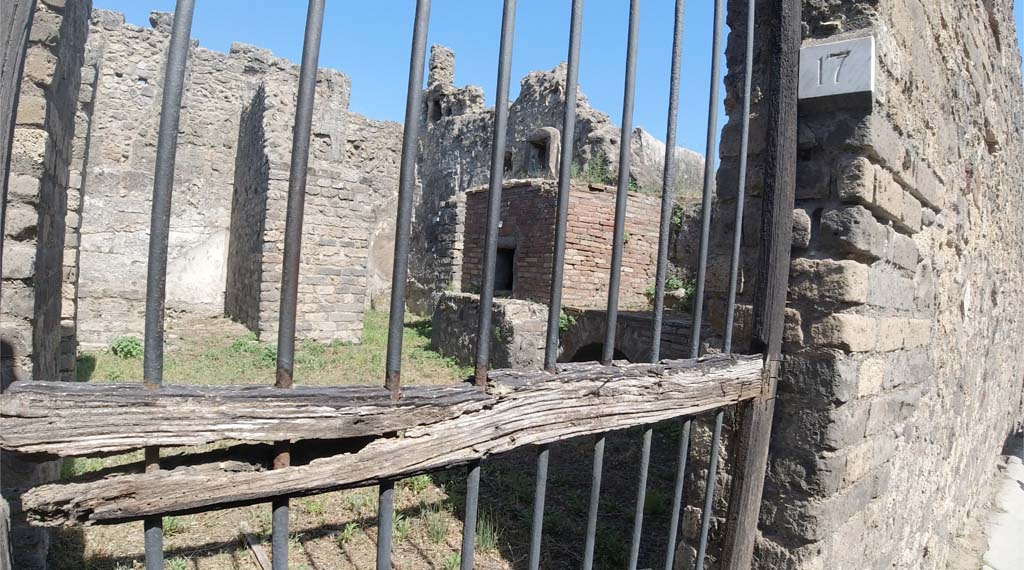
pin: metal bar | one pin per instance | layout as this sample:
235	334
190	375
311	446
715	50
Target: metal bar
163	184
734	268
668	187
641	498
406	188
709	176
783	21
469	523
595	499
677	497
483	339
622	192
709	490
160	226
301	133
385	522
564	185
536	530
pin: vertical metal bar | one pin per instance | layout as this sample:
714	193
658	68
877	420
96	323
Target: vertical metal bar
483	338
641	498
292	253
709	490
536	530
160	224
668	181
508	21
564	184
406	187
469	524
698	304
385	522
595	499
163	184
400	272
677	497
709	175
734	268
622	192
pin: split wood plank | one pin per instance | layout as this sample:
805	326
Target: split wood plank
524	408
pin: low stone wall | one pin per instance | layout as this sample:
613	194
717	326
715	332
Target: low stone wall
519	330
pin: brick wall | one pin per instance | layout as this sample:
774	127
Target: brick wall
528	221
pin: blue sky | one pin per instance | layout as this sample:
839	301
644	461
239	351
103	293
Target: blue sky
369	41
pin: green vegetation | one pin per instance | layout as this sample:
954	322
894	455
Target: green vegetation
174	525
487	533
437	517
565	321
416	484
127	347
221	352
178	563
452	562
684	289
350	530
594	171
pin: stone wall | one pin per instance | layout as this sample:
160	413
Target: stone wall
455	156
902	373
121	153
34	231
528	226
518	330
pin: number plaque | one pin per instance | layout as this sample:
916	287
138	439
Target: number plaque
843	69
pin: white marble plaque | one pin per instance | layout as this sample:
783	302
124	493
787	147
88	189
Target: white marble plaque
837	69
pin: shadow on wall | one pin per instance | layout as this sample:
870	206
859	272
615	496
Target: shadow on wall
248	216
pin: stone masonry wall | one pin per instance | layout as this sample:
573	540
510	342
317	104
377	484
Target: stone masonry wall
119	170
903	371
527	225
455	155
248	216
30	308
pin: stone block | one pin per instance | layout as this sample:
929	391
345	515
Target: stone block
801	228
854	230
852	333
917	332
825	280
31	111
886	288
19	260
871	376
891	331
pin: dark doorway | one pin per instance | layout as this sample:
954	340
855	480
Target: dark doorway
504	272
592	353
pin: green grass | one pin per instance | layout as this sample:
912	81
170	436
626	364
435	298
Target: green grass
451	562
227	354
174	525
487	532
350	531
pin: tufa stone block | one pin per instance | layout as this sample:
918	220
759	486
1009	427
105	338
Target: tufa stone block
852	333
817	280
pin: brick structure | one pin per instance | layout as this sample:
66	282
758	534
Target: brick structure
456	157
527	233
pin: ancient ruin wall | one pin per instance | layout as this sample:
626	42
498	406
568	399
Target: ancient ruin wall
118	172
30	308
455	156
903	369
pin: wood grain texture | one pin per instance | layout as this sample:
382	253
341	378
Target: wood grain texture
519	409
754	434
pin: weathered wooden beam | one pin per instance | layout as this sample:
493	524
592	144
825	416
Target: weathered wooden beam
521	409
754	435
69	419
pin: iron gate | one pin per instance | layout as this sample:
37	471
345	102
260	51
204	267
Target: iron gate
739	384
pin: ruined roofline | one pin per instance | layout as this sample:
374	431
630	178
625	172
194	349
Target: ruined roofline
549	185
160	22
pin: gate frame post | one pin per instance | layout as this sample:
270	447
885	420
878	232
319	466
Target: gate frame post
754	435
